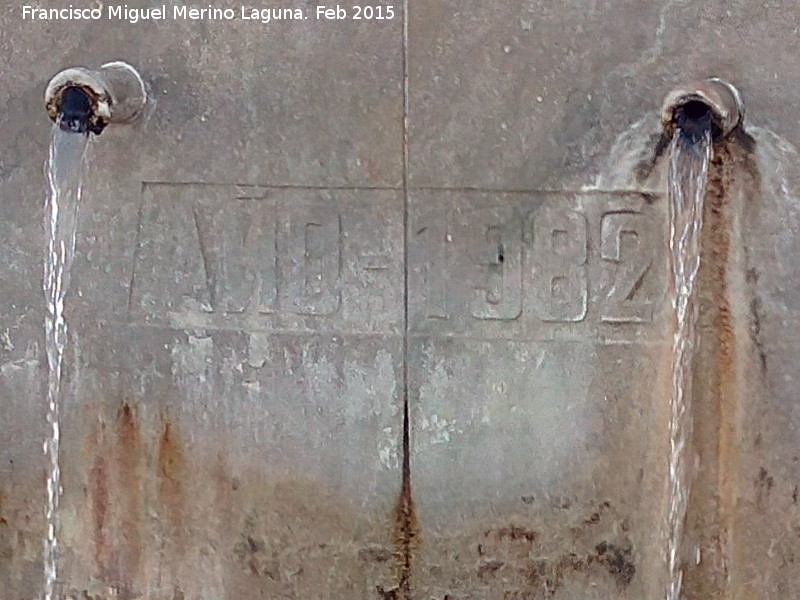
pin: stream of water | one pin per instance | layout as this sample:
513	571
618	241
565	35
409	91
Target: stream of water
690	156
65	167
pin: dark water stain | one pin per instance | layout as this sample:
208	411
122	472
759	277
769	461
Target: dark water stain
384	594
594	517
660	143
756	315
488	568
530	563
513	533
550	574
253	554
742	152
763	484
618	560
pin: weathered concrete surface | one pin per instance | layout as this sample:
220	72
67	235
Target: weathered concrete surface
237	503
233	419
533	301
240	352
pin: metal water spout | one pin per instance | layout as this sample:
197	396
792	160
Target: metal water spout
86	101
693	108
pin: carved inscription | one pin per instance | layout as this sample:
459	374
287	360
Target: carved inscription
311	261
240	255
433	234
559	271
627	247
484	264
496	251
239	249
253	257
549	259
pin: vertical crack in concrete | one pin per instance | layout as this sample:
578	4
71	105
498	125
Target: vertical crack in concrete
405	521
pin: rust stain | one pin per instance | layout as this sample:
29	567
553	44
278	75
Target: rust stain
406	524
732	173
171	467
129	455
720	225
720	386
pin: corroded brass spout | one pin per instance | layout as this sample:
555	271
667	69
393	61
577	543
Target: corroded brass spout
713	102
86	101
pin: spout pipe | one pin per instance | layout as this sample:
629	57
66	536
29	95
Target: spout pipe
713	102
86	101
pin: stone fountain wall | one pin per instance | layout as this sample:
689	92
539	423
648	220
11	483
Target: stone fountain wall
321	222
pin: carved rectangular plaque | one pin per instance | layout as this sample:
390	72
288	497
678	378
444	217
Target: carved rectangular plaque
537	266
257	258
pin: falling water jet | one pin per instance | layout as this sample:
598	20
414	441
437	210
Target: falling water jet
80	102
694	118
690	155
65	168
